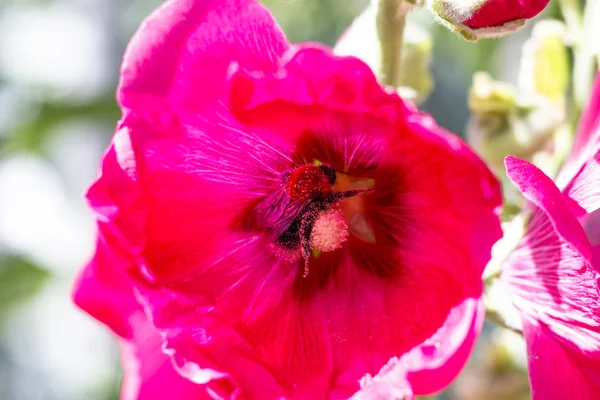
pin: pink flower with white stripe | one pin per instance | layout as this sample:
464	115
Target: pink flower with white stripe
554	273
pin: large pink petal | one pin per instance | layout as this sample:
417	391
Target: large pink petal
549	278
471	188
553	372
183	50
550	282
315	76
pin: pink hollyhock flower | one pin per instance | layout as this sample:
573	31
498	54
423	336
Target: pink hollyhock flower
279	224
485	18
554	274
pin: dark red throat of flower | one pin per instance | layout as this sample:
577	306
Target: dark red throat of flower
312	211
320	225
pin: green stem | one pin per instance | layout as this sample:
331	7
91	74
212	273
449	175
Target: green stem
390	30
497	319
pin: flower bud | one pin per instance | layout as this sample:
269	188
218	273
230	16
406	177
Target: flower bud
360	40
474	19
505	122
488	97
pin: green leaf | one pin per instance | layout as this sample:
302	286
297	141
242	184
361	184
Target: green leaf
20	279
31	135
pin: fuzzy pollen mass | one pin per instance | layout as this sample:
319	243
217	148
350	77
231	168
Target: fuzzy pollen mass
329	230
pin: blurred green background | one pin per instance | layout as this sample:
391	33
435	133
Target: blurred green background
59	63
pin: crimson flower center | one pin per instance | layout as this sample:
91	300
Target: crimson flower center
309	216
309	181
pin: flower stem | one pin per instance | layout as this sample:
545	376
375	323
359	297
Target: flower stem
496	319
391	19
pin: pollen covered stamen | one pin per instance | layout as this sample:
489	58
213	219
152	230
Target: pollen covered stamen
329	230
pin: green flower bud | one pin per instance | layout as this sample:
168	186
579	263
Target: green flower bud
506	122
490	97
